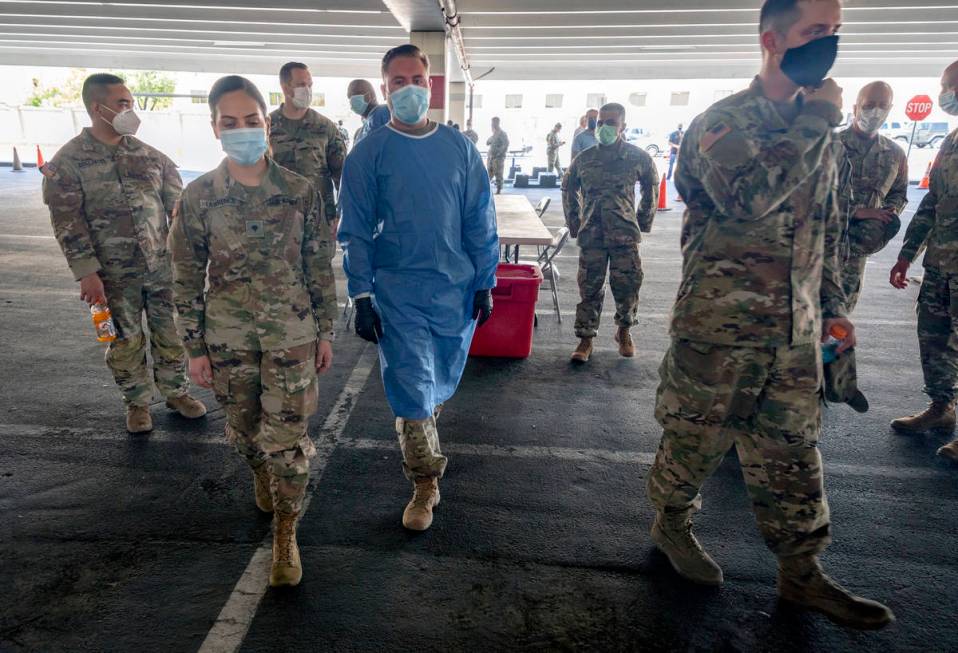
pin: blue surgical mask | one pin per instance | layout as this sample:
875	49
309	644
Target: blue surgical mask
358	104
244	146
592	123
410	103
949	103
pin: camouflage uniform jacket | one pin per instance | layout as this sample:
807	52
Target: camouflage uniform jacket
498	145
762	228
109	207
552	142
311	147
269	251
874	176
606	177
935	224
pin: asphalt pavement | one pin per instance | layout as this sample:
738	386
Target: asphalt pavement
152	543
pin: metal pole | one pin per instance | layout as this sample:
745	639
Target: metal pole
472	88
914	126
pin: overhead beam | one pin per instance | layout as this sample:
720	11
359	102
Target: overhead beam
417	15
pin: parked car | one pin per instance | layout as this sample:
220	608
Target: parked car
643	138
928	134
897	131
931	134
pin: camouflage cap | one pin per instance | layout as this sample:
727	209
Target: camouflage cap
841	382
867	237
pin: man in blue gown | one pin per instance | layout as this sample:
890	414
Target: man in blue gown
419	232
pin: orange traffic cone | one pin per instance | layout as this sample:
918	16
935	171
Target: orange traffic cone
664	196
926	180
40	161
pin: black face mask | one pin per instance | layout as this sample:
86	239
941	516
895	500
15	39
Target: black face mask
809	64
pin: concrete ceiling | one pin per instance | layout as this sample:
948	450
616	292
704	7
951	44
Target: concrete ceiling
647	39
336	37
521	39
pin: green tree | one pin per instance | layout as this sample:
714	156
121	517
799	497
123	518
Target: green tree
67	94
151	81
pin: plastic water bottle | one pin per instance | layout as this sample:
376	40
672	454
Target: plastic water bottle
103	322
836	336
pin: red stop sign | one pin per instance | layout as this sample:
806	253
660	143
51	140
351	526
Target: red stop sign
919	107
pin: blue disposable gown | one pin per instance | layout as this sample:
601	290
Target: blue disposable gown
377	118
419	233
583	141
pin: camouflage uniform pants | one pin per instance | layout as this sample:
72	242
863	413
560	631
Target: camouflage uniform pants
268	397
496	166
419	441
130	292
764	402
938	333
625	278
552	162
853	276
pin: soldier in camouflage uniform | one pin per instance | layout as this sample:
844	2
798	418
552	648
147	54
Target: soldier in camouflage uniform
109	195
935	227
304	141
608	227
760	242
496	158
873	186
255	235
552	150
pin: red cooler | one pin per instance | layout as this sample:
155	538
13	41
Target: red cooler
508	333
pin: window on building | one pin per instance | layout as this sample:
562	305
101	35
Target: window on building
514	101
554	101
275	99
595	100
638	99
476	101
198	97
722	94
680	99
319	100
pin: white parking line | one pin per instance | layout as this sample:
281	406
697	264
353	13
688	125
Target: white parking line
562	453
234	620
644	458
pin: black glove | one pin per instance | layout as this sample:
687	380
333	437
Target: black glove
574	229
482	306
368	325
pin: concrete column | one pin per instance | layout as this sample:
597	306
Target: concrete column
434	45
458	106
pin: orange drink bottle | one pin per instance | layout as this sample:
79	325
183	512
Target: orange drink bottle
103	322
836	335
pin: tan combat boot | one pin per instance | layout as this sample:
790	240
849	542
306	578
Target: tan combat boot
938	415
261	489
672	534
186	406
583	351
626	346
418	513
287	570
138	419
950	451
802	582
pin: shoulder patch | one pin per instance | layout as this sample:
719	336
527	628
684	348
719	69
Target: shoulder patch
49	170
713	136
